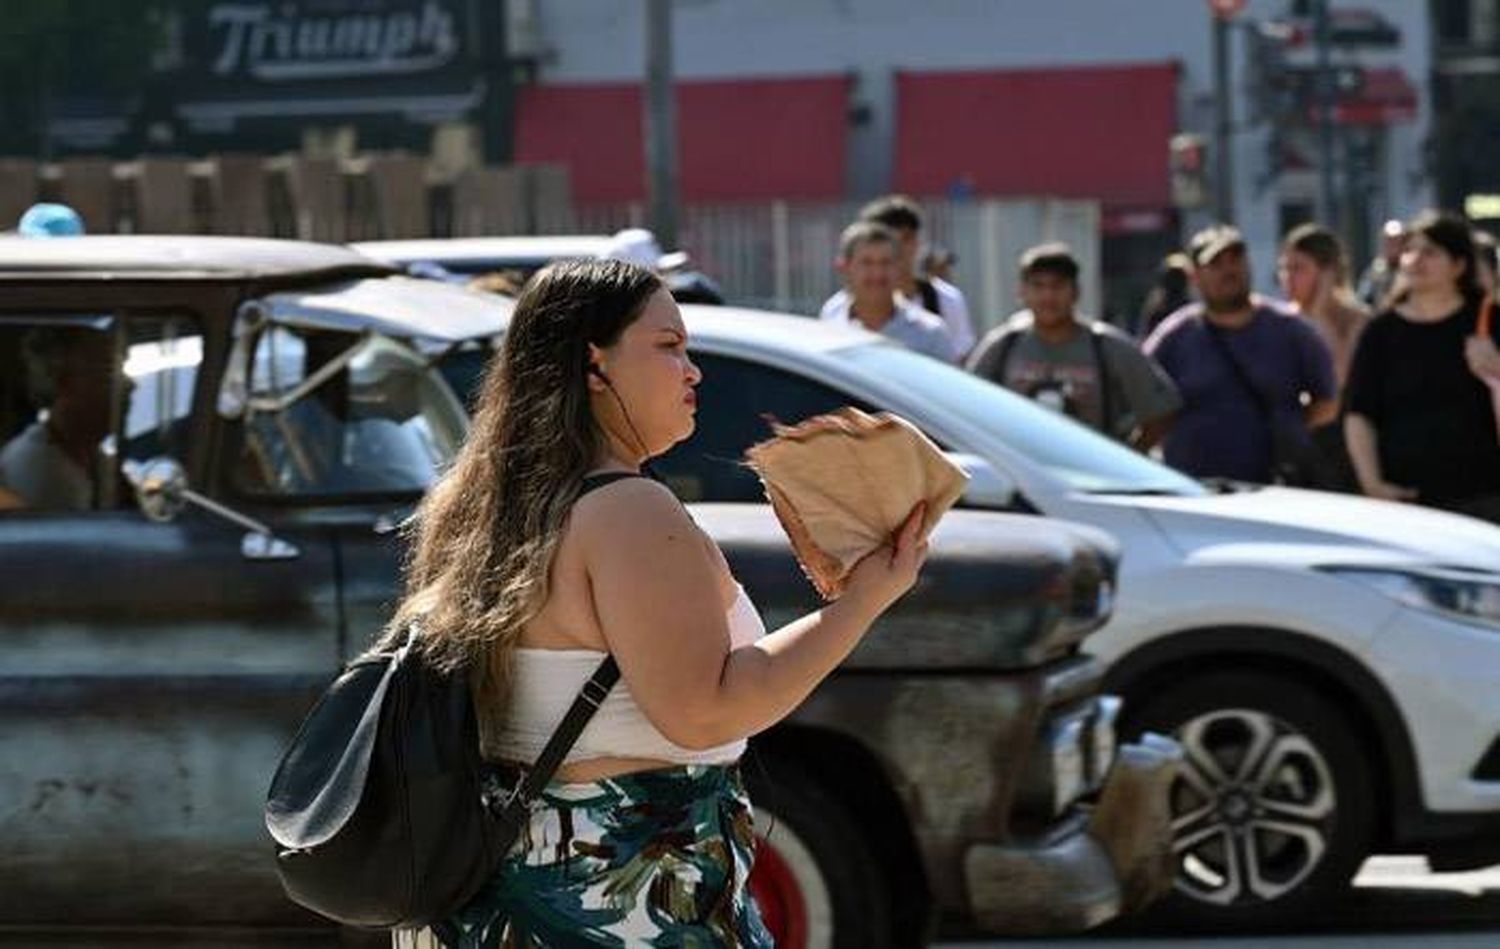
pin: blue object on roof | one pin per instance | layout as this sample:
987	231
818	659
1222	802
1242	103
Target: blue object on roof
50	220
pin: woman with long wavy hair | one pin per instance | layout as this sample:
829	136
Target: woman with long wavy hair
1418	418
1313	271
644	834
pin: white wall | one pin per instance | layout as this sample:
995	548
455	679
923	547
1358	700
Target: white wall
602	40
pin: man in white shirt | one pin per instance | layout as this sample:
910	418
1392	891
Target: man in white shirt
903	217
867	260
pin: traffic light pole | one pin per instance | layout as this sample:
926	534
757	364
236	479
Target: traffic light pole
1223	123
661	124
1328	204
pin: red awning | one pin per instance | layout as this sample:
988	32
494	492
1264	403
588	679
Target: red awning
1088	132
738	140
1384	97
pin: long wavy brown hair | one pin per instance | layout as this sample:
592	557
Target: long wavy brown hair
483	540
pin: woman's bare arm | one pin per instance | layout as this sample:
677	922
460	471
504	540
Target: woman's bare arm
656	592
1363	443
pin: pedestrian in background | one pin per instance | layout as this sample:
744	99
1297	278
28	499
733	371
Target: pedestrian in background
1378	280
1313	271
933	294
1081	367
1172	291
1253	376
868	262
1419	419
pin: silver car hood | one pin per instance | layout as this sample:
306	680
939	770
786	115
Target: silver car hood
1331	524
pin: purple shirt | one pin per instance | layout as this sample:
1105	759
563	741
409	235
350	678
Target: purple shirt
1220	430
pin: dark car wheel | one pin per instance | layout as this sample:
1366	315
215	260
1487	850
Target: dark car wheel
1272	814
816	880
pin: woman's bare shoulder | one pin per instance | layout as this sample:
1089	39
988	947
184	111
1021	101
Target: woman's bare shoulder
638	526
640	506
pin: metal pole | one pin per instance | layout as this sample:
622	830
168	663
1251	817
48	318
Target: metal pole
781	254
661	124
1328	206
1223	124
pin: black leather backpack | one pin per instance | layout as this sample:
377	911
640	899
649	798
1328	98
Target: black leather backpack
378	809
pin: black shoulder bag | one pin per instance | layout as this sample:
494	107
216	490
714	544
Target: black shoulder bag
1295	460
378	809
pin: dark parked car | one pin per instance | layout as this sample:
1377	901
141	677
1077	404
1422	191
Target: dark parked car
205	447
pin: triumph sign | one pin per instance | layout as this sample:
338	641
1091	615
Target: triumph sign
279	42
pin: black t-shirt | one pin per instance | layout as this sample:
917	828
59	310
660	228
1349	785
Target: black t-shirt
1435	420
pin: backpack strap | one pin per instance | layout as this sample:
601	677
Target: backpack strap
1106	397
1007	344
1257	395
513	808
594	482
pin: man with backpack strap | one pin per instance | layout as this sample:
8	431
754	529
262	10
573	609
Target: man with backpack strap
1254	376
1083	368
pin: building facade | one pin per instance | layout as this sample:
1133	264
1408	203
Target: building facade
313	75
1466	90
826	99
833	101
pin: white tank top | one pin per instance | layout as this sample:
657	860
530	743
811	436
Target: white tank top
546	681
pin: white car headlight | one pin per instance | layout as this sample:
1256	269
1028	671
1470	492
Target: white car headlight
1457	593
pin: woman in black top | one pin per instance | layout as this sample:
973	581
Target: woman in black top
1419	423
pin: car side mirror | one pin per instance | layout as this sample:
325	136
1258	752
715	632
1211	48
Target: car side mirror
988	487
161	491
160	485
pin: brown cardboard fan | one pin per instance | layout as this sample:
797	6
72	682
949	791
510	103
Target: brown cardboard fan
842	483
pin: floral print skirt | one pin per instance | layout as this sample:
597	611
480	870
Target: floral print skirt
653	858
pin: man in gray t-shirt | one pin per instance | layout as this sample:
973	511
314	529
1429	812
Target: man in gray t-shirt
1080	367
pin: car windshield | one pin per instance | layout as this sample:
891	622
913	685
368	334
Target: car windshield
332	414
1084	459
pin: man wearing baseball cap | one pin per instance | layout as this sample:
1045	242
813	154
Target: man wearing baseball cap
1253	376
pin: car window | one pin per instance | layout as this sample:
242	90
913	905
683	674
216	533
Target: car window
334	414
734	401
463	369
1075	453
162	359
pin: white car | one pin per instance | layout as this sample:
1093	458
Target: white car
470	256
1332	664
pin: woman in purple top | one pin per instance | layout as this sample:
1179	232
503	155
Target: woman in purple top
1419	422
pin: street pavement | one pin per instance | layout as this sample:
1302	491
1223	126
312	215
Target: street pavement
1396	903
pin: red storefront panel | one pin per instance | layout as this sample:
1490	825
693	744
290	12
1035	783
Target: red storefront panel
1087	132
738	140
